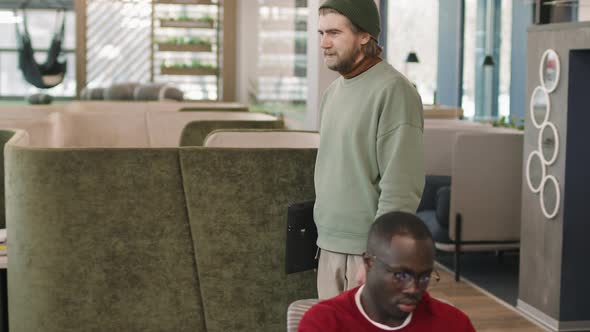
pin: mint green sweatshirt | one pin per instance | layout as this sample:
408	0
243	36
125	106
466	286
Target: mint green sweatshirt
370	159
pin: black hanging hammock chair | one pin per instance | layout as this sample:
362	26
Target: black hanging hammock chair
46	75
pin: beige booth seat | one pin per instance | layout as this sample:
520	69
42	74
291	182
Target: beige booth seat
99	105
165	128
100	129
43	127
485	190
29	110
236	138
484	165
116	129
120	105
439	140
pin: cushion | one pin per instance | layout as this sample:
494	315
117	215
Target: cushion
432	184
40	99
157	91
120	91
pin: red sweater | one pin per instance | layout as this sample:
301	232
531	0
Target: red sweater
342	314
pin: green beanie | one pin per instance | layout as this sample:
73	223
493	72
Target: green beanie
362	13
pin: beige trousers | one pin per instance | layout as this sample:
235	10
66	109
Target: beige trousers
337	273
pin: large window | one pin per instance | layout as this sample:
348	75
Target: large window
413	28
281	83
486	59
41	25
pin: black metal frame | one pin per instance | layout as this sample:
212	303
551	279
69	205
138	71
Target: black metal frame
457	258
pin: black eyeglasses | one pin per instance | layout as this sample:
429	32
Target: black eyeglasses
406	278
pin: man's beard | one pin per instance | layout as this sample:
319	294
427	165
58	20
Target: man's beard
347	62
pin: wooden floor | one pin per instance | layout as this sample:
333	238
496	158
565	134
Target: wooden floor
486	314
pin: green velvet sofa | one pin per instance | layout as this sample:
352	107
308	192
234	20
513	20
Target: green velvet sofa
151	238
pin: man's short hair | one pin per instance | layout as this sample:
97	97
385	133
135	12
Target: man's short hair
395	223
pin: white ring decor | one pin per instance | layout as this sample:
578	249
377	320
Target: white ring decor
550	214
542	69
540	143
532	106
528	173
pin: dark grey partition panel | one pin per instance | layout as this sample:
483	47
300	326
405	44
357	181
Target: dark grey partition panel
554	268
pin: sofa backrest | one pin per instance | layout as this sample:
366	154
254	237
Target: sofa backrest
99	241
237	202
27	110
166	128
106	106
104	129
113	128
195	132
486	185
439	140
173	106
244	138
43	128
214	106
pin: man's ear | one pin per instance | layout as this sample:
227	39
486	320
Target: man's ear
367	261
365	38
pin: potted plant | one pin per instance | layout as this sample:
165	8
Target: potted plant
185	21
195	67
184	44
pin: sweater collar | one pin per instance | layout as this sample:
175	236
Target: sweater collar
365	64
359	305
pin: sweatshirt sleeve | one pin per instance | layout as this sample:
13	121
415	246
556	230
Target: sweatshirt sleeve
401	167
399	147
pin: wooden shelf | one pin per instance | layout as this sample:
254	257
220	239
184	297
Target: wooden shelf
164	47
189	71
186	2
185	24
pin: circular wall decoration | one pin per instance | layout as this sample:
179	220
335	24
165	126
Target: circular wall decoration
540	107
550	197
548	140
549	70
535	171
548	143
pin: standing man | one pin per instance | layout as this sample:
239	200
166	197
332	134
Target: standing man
370	156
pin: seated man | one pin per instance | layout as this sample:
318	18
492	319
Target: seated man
400	264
